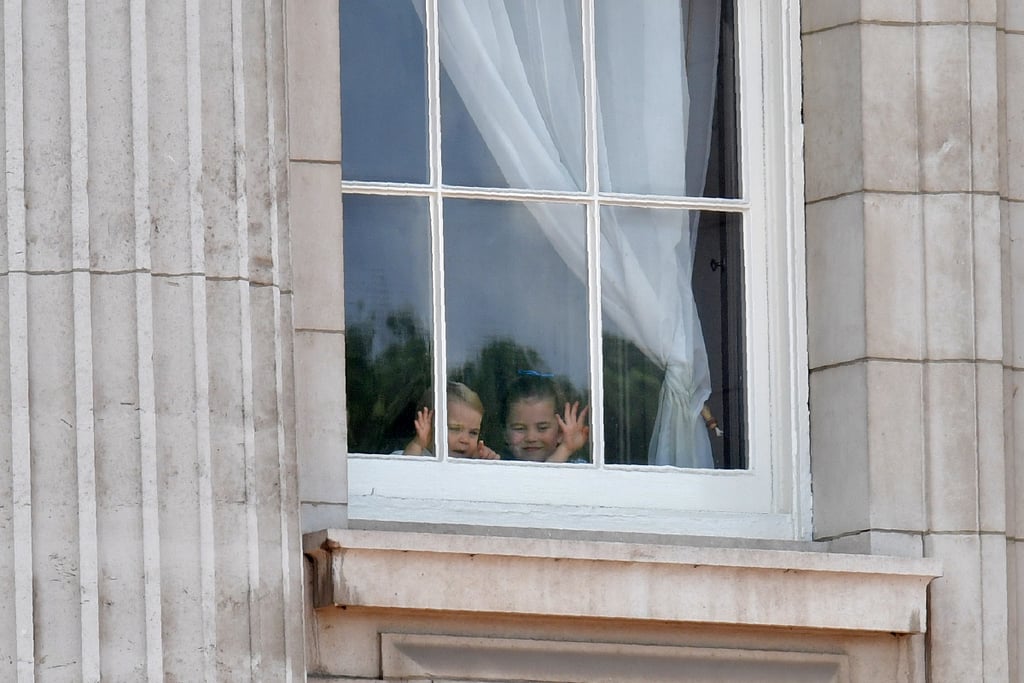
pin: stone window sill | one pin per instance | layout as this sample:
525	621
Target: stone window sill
400	570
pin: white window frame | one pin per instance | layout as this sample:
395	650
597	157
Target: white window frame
769	499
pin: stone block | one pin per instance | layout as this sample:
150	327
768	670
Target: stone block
314	80
955	639
835	280
951	423
320	439
230	435
54	426
890	114
895	442
839	444
949	265
827	14
988	277
1013	86
944	11
1013	110
876	542
47	180
833	120
174	204
994	608
992	448
1013	16
115	391
1015	604
316	246
893	276
1013	407
944	101
888	10
1013	289
984	109
984	11
111	156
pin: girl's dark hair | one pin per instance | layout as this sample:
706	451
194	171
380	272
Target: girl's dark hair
533	387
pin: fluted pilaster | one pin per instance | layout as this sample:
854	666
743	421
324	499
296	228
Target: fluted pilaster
145	378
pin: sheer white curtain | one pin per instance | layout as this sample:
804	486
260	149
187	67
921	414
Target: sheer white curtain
511	62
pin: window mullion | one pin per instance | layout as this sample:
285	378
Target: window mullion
440	356
591	143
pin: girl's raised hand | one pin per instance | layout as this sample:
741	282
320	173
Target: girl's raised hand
575	431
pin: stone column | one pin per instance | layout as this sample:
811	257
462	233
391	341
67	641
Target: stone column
148	511
1010	44
906	297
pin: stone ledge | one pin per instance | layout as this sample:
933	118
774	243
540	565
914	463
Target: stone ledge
600	579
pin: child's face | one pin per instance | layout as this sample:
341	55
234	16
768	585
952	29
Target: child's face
532	429
463	429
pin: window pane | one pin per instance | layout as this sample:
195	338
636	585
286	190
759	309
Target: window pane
512	94
383	91
387	319
516	309
666	97
672	307
719	292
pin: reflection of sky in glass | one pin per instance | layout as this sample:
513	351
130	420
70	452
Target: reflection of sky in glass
383	91
505	281
387	261
503	278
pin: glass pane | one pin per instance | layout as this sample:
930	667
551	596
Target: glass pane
511	94
666	93
388	355
719	292
672	306
383	91
516	307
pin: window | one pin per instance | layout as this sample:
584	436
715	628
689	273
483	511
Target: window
582	199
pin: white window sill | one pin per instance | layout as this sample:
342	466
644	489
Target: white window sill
399	570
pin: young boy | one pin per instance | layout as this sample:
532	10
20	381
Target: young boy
465	413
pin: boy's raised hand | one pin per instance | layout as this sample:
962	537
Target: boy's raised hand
484	452
424	427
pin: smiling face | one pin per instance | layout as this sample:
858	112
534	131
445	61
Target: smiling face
532	429
463	429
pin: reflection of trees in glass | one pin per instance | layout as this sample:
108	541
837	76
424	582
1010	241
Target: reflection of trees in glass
632	384
383	389
490	374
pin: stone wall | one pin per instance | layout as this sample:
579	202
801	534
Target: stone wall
914	157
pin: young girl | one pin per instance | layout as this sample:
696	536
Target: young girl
533	428
465	412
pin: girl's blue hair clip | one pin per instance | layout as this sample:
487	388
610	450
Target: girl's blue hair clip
534	373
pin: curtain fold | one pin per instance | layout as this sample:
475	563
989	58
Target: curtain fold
520	77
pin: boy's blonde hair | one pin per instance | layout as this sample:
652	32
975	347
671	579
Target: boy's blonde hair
457	391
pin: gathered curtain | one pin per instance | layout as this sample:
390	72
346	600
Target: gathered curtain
510	61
